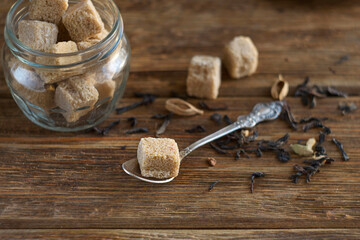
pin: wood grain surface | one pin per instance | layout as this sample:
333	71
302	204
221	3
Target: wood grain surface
71	185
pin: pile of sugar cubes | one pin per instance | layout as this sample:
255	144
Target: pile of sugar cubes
55	27
159	157
204	77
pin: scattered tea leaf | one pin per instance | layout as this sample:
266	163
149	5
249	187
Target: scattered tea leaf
175	94
165	124
227	120
342	59
213	185
287	116
137	130
133	121
196	129
147	99
106	130
253	176
347	107
216	117
213	106
239	152
341	148
217	149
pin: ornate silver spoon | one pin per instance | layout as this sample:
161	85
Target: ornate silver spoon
261	112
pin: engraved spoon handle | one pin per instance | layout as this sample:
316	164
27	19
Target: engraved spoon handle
261	112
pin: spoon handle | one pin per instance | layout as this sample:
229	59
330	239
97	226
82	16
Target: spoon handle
261	112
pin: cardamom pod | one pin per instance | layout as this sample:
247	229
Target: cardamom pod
311	143
301	150
280	88
181	107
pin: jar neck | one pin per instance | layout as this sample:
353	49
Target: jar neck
108	11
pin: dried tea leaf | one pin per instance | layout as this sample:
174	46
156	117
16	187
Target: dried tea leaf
347	107
301	150
280	89
181	107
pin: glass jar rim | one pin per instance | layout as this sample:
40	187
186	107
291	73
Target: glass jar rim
10	32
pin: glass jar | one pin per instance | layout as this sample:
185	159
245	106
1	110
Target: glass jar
89	83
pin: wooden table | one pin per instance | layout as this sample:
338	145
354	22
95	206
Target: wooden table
61	185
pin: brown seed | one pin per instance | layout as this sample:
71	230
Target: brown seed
280	89
211	161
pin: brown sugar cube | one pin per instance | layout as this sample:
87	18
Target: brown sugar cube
77	96
30	87
240	57
106	89
92	41
36	34
61	47
48	10
158	157
82	21
204	78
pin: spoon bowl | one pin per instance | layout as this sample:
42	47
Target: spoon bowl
261	112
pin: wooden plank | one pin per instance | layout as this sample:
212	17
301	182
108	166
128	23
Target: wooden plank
93	234
75	180
62	180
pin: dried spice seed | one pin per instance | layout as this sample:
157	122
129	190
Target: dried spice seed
137	130
280	89
213	106
147	99
341	148
133	121
165	124
252	178
347	107
216	117
219	150
211	161
197	129
181	107
213	185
